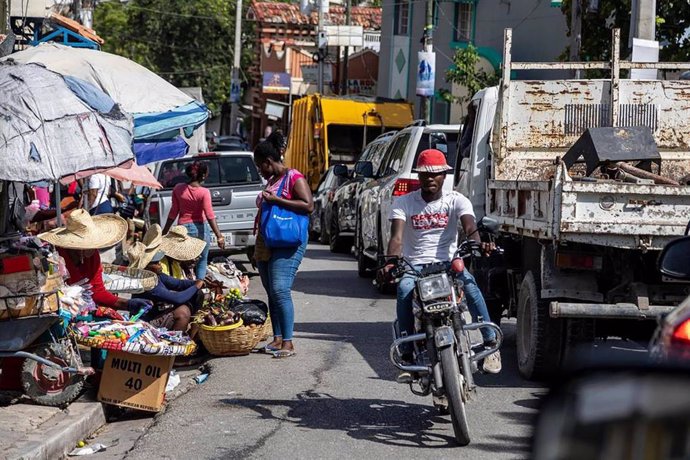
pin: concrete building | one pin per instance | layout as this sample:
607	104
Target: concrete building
539	34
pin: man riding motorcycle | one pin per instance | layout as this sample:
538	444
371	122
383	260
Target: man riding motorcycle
424	227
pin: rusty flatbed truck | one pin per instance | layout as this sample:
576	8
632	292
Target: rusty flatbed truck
578	173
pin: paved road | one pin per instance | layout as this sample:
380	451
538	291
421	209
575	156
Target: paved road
337	398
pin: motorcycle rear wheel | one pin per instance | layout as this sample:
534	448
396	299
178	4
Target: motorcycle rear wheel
453	389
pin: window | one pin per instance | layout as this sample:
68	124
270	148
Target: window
464	148
173	172
445	142
463	22
394	154
238	170
402	18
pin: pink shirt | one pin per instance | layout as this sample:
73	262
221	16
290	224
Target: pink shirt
192	204
292	176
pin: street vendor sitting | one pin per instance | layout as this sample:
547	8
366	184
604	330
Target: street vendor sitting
174	300
78	244
181	251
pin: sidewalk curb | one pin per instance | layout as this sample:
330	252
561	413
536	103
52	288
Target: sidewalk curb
77	422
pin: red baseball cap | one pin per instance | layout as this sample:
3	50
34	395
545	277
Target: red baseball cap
431	161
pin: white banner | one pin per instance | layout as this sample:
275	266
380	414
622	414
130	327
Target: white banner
426	73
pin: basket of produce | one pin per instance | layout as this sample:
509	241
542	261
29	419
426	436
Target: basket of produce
224	333
119	279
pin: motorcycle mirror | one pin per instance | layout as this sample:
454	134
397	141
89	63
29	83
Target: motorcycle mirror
674	261
487	224
604	409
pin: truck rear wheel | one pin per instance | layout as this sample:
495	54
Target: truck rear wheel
538	335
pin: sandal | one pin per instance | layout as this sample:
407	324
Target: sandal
284	353
269	350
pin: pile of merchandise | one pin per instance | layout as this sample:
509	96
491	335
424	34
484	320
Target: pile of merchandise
137	337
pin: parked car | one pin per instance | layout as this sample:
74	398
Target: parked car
234	183
341	228
333	178
392	178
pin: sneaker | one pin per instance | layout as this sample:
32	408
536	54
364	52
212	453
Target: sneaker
492	363
404	377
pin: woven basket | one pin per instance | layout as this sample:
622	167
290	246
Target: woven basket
136	280
233	340
267	330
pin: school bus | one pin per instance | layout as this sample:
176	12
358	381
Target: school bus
328	130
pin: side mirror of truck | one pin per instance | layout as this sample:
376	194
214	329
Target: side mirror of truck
488	225
364	169
340	171
674	260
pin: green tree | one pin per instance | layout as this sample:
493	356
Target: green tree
187	42
465	73
673	20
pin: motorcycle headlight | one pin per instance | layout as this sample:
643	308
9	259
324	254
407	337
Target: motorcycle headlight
434	287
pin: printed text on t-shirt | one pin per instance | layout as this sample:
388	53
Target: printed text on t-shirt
429	221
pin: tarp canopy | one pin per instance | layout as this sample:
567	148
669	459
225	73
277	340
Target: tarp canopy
148	152
159	109
48	132
137	175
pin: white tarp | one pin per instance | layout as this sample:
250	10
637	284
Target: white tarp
134	87
47	132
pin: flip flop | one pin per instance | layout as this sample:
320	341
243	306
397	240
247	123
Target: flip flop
280	354
269	350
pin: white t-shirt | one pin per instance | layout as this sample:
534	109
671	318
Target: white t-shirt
101	183
431	229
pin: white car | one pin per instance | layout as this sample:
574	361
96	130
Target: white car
393	177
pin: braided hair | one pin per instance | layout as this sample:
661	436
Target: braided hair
272	148
197	171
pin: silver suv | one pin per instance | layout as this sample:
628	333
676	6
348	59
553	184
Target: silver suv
234	183
393	177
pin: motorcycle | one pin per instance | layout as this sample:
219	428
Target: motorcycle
52	372
445	358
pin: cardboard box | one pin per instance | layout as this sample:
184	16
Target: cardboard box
135	381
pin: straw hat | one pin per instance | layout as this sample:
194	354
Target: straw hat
83	231
178	245
141	254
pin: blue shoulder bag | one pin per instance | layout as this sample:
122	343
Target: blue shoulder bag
280	227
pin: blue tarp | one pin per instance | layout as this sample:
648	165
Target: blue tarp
88	93
155	125
148	152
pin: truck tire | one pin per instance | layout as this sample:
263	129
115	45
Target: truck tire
538	336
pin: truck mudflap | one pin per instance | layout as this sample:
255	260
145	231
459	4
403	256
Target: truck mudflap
607	311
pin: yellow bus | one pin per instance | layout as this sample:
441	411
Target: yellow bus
327	130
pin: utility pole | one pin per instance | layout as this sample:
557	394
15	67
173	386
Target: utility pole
428	47
237	54
346	76
575	33
643	20
321	45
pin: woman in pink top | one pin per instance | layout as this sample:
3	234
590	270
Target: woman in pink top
191	206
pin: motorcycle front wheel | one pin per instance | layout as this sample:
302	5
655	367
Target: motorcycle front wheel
453	389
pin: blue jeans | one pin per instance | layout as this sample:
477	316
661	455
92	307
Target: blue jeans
277	276
475	303
103	208
203	232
